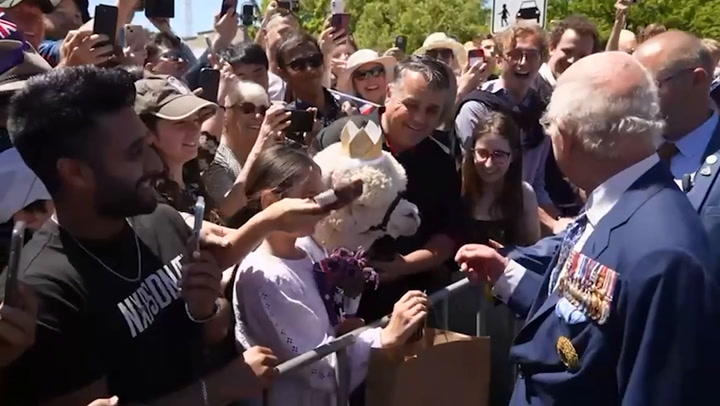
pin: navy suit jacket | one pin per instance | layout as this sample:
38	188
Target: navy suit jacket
705	192
661	344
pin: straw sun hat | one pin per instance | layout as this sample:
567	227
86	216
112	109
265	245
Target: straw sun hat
440	40
360	58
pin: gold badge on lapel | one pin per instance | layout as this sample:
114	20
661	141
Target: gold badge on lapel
566	352
588	285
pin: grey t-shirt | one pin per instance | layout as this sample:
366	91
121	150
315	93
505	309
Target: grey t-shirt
222	172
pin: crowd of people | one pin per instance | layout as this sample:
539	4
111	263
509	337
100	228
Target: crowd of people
573	179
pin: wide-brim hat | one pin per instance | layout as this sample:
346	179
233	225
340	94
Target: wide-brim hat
440	40
360	58
47	6
166	97
18	62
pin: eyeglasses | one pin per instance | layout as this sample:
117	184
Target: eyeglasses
301	64
369	73
440	53
249	108
498	156
517	54
675	74
172	56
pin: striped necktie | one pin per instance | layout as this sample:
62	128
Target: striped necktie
572	235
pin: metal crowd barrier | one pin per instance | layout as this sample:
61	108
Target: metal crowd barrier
339	344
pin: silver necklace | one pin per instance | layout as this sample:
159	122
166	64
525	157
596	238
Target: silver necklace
137	248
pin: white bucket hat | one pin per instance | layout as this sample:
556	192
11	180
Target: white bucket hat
440	40
359	58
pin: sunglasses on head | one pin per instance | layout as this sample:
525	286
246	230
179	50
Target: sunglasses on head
312	62
441	53
369	73
249	108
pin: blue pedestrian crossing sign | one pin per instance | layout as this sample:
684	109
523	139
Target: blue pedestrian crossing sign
506	12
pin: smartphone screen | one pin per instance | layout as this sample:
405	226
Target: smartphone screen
199	214
401	43
105	21
341	22
476	56
284	5
160	9
16	244
248	14
301	121
227	5
209	82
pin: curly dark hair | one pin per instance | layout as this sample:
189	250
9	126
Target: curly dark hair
581	25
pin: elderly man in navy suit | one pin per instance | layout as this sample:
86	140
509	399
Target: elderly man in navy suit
622	307
683	68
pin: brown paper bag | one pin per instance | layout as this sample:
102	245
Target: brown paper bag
442	369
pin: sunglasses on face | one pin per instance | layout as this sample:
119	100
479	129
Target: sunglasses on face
517	54
442	53
498	156
249	108
172	56
301	64
369	73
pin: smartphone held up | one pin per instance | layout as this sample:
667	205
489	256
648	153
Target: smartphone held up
11	283
199	215
340	196
476	57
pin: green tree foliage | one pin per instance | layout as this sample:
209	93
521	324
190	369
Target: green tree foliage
376	23
697	16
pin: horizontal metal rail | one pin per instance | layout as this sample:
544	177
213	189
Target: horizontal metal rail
348	339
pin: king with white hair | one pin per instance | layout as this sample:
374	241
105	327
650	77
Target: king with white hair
622	307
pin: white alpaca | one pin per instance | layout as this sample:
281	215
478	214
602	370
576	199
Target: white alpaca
380	210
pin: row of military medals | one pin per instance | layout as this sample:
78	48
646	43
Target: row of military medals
589	286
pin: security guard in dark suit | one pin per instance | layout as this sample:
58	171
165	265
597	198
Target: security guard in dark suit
703	190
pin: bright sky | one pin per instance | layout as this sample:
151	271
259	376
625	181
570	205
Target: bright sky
202	15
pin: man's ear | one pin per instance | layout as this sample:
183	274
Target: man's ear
267	197
149	67
564	141
388	92
75	173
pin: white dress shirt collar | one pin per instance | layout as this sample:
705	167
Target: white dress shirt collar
545	73
606	196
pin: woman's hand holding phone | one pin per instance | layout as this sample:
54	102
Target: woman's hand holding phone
331	38
473	76
80	48
276	120
228	79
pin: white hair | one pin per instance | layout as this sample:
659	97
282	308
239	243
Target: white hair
247	92
603	121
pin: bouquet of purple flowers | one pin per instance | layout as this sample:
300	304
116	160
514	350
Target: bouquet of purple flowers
341	279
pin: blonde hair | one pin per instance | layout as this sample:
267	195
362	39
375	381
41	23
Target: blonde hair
247	92
507	40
